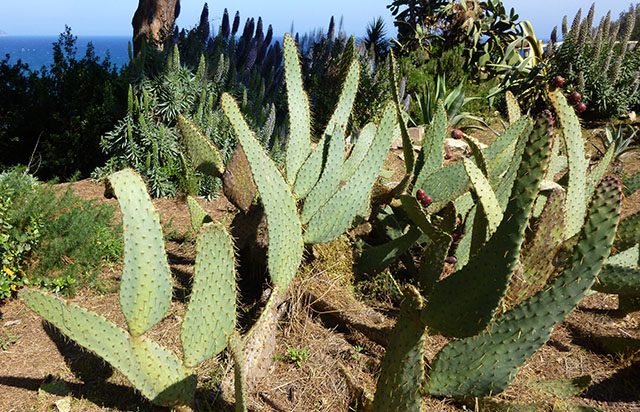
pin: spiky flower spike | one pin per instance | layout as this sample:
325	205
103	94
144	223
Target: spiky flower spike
485	364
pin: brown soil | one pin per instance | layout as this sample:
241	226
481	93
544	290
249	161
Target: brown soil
343	339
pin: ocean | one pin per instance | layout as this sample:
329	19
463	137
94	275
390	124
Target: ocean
37	51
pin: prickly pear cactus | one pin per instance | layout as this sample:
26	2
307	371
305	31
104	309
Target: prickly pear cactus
145	295
462	306
485	364
399	384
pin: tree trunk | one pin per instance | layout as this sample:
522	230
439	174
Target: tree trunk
153	20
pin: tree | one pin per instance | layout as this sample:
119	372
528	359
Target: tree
153	21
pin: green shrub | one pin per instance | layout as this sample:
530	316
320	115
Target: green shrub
51	115
52	239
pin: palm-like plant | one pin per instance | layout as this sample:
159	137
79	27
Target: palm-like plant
620	141
375	40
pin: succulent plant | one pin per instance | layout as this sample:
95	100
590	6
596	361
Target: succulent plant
489	349
145	295
333	189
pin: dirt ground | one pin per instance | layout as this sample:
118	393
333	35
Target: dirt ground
339	360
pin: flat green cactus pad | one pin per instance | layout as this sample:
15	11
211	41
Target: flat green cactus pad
513	108
628	232
464	303
431	156
197	214
631	184
237	182
337	214
299	142
211	312
574	144
145	290
311	170
399	384
377	258
285	231
450	182
153	370
359	150
205	156
330	178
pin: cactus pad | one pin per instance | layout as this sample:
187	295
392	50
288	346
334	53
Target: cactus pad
338	213
431	155
460	305
211	313
299	142
197	214
359	150
330	179
513	109
572	133
237	182
399	384
145	290
449	182
204	155
285	232
153	370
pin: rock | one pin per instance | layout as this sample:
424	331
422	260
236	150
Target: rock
460	144
416	134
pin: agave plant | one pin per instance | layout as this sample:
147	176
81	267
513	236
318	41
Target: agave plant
454	100
618	139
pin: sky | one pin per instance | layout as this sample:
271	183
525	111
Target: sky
113	17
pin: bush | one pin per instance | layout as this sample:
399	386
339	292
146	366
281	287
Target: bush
52	239
60	111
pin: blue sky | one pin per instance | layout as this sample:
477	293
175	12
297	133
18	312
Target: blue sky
113	17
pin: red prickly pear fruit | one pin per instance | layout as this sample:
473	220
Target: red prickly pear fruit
456	134
575	97
420	194
581	107
448	155
426	200
558	81
451	259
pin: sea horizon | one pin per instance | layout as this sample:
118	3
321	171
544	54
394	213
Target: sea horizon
37	50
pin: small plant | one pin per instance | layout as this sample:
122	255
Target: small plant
7	340
618	139
358	350
294	356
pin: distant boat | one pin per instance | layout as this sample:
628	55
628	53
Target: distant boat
3	33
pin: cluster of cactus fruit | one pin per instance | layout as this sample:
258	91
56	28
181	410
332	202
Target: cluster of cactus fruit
316	198
574	97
